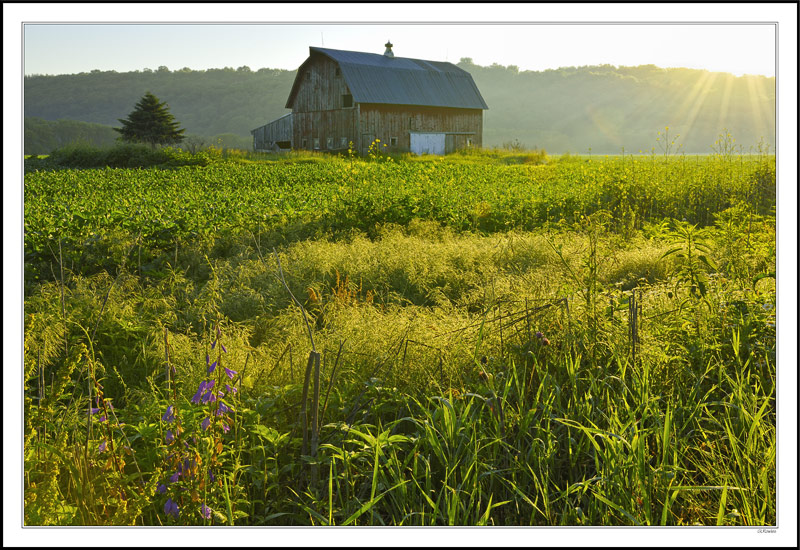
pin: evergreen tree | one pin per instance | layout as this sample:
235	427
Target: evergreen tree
151	122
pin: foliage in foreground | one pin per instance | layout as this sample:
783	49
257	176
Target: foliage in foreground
587	373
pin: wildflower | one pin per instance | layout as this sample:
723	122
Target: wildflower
93	411
171	508
230	389
204	385
545	342
209	397
174	477
225	427
205	511
539	335
102	418
230	373
170	437
223	347
169	416
102	448
211	476
161	488
207	359
206	423
212	367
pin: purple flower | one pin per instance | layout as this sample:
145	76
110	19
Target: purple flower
214	344
171	508
223	347
223	408
102	448
174	477
207	359
212	367
206	423
539	335
169	416
93	411
102	419
230	373
230	389
205	511
204	385
209	397
196	397
225	427
170	437
161	488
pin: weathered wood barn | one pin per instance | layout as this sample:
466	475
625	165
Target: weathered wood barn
341	97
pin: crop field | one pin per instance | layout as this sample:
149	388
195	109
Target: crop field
468	340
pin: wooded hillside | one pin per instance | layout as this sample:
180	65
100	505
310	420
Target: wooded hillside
602	108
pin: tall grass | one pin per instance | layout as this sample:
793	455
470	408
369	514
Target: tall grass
590	371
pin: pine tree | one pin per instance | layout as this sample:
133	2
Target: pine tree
151	122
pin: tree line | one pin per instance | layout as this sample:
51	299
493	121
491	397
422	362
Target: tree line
577	109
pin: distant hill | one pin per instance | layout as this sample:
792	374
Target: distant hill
605	107
570	109
42	136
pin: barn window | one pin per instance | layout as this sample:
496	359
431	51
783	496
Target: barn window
347	100
305	143
343	142
393	141
316	143
469	142
329	143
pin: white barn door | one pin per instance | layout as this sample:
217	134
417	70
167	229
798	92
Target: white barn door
431	144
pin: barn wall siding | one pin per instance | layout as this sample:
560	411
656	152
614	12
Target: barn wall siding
387	121
319	111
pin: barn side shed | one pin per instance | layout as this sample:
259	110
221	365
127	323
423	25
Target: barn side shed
274	136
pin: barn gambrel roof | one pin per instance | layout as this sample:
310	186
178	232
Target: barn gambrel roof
374	78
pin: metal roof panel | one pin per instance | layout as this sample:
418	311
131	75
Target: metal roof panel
374	78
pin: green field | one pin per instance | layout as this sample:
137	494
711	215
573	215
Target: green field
481	339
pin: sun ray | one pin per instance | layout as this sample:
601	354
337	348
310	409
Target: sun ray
724	106
693	101
756	95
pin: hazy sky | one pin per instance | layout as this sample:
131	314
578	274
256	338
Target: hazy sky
63	49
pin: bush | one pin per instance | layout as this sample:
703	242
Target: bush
124	156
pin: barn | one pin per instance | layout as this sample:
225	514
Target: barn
342	97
